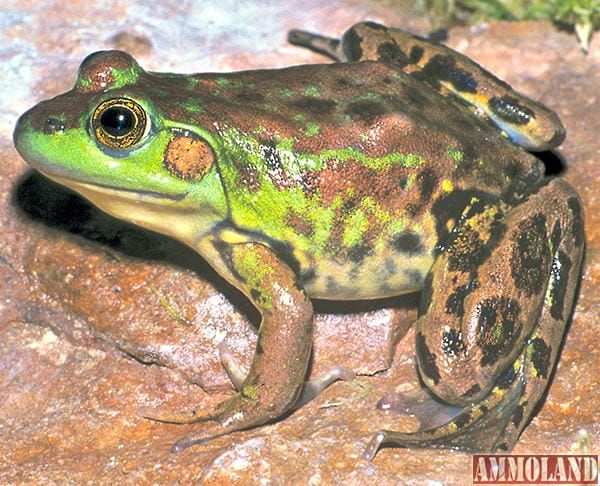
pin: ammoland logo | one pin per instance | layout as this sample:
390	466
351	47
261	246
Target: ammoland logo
535	469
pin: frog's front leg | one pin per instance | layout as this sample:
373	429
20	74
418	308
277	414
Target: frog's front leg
276	376
490	344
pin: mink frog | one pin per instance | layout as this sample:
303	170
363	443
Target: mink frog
401	167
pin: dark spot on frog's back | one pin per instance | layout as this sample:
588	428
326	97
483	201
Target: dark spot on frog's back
429	180
462	419
425	183
402	182
408	242
357	253
447	208
467	251
455	301
315	106
465	246
333	286
507	378
452	343
414	277
366	110
308	275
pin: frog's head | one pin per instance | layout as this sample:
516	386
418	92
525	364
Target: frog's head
108	139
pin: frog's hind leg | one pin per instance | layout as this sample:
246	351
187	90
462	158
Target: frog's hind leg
492	342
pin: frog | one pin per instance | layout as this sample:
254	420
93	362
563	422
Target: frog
403	166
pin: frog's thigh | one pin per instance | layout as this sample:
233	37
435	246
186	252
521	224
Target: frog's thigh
505	273
491	342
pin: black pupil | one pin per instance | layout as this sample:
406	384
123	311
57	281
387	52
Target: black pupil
117	121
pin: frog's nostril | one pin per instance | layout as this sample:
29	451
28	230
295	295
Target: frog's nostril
53	125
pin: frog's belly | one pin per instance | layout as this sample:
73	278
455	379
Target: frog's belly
377	276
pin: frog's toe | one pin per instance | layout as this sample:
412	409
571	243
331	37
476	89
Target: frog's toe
310	390
184	417
229	416
211	433
314	388
236	372
470	438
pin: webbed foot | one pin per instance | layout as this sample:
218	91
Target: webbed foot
481	427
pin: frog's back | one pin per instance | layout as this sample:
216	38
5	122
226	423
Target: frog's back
352	170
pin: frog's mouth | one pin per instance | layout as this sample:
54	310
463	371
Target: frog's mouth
104	190
166	213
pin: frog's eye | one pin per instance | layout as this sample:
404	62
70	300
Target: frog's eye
119	123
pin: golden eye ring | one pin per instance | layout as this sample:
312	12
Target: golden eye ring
119	123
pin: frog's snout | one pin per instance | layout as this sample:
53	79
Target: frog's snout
26	136
20	133
39	120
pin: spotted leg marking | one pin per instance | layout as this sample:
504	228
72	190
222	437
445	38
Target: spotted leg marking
492	343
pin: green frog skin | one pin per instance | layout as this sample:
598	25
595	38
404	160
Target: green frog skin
399	168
